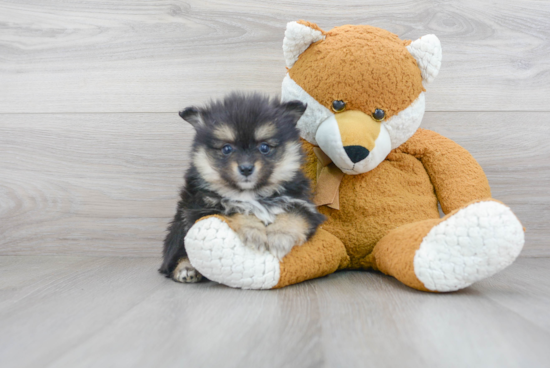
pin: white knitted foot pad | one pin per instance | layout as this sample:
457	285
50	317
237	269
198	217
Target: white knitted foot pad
476	242
217	253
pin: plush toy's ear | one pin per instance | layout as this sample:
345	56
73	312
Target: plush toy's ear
298	37
427	52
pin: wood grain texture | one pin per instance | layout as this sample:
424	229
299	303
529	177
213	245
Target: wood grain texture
107	184
155	56
118	312
101	184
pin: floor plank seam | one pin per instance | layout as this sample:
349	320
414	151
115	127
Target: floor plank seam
76	345
529	322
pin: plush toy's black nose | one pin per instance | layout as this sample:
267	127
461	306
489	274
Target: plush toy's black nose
356	153
246	170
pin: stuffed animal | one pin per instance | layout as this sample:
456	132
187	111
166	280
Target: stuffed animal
378	177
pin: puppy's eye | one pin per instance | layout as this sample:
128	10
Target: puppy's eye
338	105
227	149
264	148
378	115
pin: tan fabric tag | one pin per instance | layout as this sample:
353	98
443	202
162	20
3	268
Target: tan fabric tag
322	157
329	177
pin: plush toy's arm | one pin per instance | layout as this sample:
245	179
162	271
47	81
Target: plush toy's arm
457	177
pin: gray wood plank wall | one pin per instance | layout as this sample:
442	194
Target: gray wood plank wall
92	151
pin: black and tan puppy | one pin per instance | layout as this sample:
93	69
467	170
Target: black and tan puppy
246	159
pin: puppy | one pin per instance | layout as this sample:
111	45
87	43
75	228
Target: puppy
246	159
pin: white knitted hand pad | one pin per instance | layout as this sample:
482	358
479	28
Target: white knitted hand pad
476	242
217	253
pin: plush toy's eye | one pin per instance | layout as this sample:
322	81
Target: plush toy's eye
227	149
378	115
338	105
264	148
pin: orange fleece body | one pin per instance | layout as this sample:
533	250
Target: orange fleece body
403	189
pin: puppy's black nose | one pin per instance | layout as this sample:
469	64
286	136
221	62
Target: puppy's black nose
246	170
356	153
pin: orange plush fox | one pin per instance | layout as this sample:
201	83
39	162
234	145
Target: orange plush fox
377	176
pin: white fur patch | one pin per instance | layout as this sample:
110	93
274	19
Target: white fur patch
253	207
403	125
247	185
287	167
476	242
217	253
202	163
315	113
428	55
297	39
248	203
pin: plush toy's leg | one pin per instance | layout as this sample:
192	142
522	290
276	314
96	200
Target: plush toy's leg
322	255
216	251
453	252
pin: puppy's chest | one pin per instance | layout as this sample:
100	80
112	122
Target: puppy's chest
264	209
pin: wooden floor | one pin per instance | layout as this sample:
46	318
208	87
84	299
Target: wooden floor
92	153
118	312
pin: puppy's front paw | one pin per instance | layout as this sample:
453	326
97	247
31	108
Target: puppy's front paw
280	244
253	237
287	231
250	230
186	273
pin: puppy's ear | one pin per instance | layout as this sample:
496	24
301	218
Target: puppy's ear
294	109
193	116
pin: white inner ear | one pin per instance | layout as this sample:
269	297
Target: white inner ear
297	39
427	52
315	113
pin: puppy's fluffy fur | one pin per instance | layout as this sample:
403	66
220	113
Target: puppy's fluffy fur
246	159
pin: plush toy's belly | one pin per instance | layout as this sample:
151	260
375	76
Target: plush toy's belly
397	192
